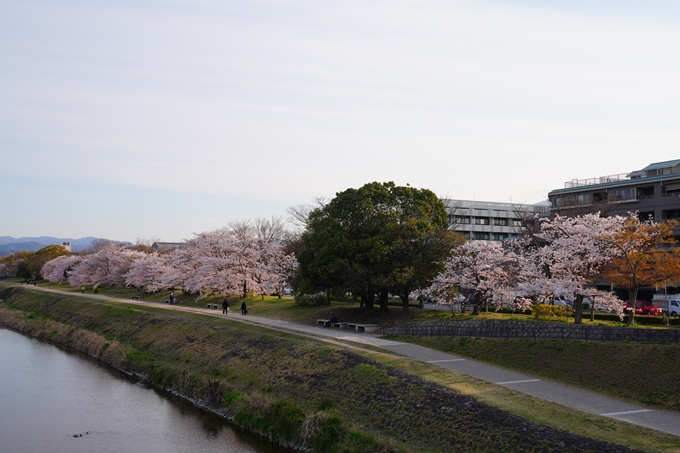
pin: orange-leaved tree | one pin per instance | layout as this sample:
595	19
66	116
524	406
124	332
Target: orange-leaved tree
643	256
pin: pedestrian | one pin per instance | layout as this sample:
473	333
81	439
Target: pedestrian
82	289
244	310
172	298
225	307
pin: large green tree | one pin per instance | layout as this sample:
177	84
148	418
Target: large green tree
375	240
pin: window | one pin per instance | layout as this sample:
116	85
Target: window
584	198
499	236
670	214
482	221
462	220
517	223
500	222
671	189
482	236
646	192
622	194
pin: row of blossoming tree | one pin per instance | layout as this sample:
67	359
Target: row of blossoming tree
231	261
563	258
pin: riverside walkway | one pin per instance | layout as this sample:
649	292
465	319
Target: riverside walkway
573	397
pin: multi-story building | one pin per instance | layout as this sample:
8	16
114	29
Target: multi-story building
489	221
652	192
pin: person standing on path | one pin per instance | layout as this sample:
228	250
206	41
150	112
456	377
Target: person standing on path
172	298
225	307
244	310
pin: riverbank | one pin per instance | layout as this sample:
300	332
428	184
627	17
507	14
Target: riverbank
292	389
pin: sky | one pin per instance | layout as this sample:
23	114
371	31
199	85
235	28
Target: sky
159	119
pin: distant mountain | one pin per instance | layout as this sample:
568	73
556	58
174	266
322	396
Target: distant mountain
49	240
9	245
9	249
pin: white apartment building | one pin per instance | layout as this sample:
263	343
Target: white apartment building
490	221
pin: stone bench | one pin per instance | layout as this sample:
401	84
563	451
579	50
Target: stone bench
368	328
339	325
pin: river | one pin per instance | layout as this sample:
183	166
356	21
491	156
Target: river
49	394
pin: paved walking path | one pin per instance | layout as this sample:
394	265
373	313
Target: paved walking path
668	422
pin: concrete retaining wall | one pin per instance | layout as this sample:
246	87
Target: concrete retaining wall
524	329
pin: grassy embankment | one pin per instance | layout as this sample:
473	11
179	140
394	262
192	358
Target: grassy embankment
242	370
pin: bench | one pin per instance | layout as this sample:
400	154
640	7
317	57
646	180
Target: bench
212	306
135	297
367	328
339	325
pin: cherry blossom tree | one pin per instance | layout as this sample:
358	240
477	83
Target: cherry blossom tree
565	257
57	270
488	269
232	261
151	272
108	266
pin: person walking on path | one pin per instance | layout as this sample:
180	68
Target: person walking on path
172	298
225	307
244	310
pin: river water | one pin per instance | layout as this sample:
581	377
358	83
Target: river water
48	394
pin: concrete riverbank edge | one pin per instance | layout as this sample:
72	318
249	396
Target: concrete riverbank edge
383	343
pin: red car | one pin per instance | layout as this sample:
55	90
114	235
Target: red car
643	307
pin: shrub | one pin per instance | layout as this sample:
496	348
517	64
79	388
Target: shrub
322	431
312	300
287	418
552	312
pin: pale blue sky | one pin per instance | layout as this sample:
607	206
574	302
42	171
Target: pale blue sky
133	119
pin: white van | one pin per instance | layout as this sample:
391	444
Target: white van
673	307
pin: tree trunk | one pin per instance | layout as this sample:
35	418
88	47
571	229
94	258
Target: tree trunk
404	300
370	297
384	294
632	302
477	307
404	304
592	311
578	309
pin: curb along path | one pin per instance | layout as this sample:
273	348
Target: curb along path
583	400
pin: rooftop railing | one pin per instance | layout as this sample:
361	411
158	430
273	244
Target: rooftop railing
467	204
593	181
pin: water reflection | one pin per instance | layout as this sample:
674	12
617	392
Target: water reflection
48	394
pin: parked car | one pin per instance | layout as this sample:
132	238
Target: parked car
563	301
643	307
673	307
